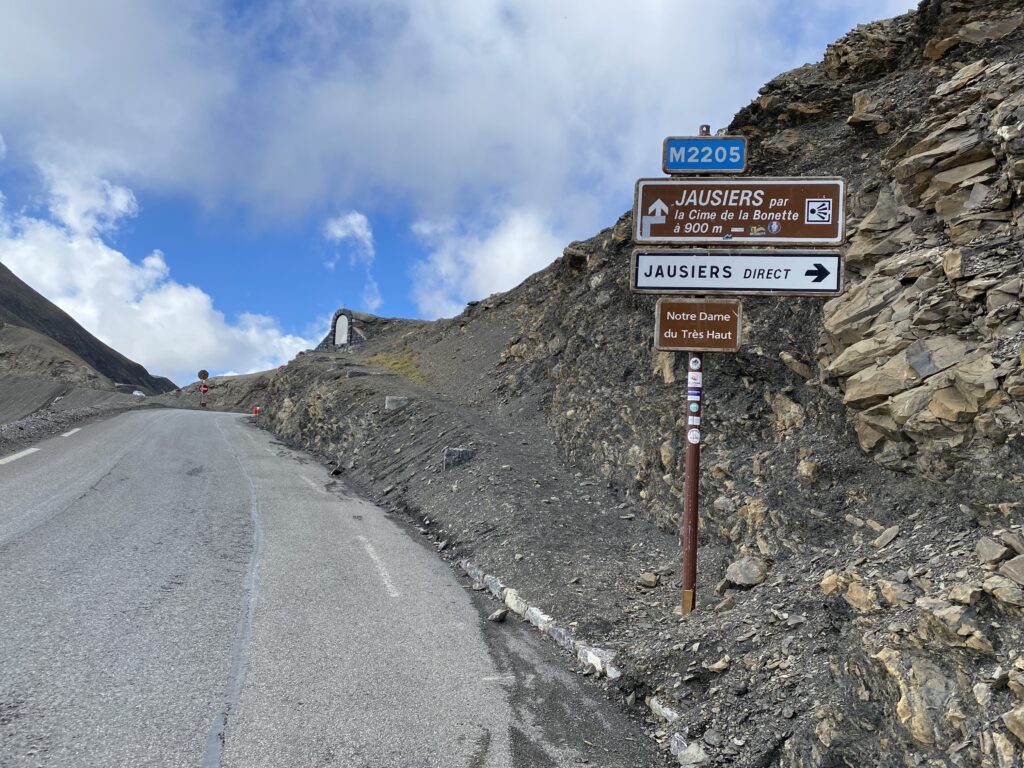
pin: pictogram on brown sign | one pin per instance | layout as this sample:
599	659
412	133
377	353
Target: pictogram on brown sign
698	325
771	211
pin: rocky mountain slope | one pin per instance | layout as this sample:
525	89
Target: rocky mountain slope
862	553
28	353
22	306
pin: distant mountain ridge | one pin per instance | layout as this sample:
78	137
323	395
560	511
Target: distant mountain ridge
23	306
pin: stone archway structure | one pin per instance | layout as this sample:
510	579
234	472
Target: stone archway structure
345	332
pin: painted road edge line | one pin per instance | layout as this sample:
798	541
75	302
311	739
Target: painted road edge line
313	484
71	432
18	455
381	567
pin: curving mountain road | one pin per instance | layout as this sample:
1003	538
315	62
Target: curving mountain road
178	590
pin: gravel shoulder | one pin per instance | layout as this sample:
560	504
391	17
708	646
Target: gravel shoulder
58	416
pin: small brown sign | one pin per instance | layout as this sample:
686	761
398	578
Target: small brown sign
204	374
766	211
698	325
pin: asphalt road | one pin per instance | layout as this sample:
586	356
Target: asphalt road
176	589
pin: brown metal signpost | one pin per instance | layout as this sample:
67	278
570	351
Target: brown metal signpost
723	212
691	499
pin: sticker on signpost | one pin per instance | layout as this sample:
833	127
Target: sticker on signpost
693	436
695	378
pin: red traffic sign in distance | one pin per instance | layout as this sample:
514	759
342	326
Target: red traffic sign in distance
765	211
204	388
204	374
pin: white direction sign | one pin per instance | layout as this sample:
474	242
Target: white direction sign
802	272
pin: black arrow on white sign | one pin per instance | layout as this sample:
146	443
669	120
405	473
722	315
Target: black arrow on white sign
804	272
819	273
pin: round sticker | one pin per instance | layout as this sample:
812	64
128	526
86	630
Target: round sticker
695	363
694	407
693	436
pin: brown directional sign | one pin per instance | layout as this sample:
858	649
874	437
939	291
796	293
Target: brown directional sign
696	325
765	211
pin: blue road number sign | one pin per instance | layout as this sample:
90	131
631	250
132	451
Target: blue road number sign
705	154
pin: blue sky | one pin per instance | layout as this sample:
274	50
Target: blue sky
201	184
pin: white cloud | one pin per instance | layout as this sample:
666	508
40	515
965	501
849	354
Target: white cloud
139	92
354	227
138	309
371	295
465	263
474	112
435	105
87	206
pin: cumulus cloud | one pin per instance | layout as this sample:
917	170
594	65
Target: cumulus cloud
136	308
461	111
351	227
466	263
87	206
289	105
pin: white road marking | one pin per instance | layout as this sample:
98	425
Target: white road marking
19	455
509	678
313	484
381	568
69	434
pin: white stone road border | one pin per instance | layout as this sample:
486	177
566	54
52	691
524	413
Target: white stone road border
598	659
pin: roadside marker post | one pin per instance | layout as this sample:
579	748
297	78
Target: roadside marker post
204	387
691	499
705	227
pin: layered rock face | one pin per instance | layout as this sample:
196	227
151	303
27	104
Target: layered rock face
928	345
